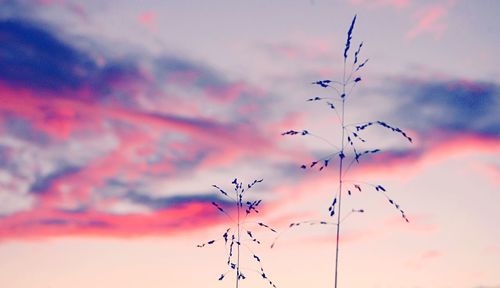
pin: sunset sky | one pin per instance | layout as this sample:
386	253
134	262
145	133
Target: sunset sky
117	117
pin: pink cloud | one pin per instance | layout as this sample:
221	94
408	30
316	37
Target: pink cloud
68	115
443	146
33	107
148	20
431	19
44	223
233	92
51	219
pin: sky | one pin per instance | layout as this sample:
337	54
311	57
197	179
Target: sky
117	117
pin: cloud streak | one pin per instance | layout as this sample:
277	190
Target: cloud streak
431	19
57	100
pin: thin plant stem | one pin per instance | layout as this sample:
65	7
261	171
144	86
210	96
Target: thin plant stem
239	242
340	181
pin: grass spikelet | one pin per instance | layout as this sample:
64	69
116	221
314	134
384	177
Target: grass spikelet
349	37
357	52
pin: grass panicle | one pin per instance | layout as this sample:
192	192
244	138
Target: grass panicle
239	235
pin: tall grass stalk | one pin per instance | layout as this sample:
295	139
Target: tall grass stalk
342	92
340	176
239	237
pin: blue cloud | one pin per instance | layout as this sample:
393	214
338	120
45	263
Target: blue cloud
158	203
453	105
42	184
31	56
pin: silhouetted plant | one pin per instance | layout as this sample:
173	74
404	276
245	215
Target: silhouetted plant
238	235
350	135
